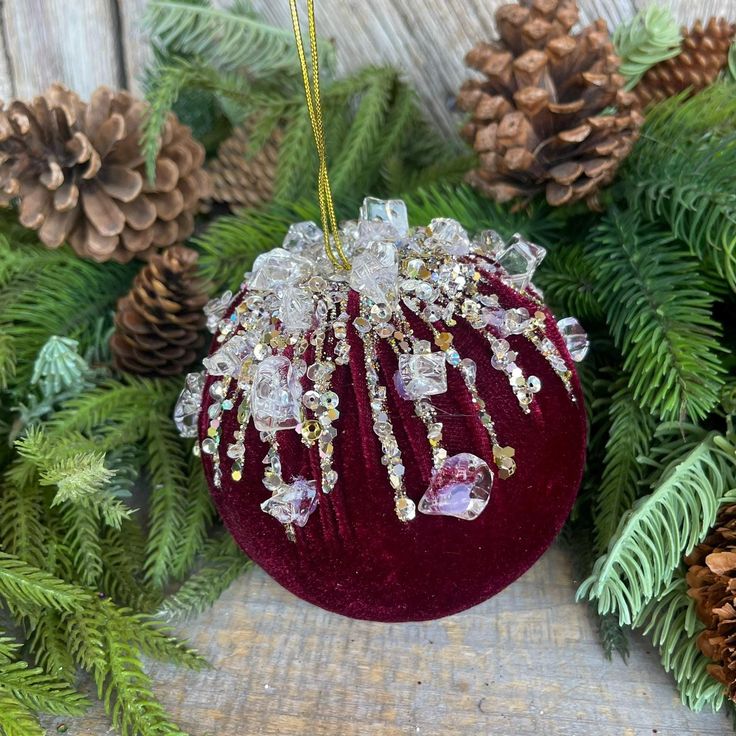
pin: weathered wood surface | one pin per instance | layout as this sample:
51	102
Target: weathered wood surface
90	42
526	663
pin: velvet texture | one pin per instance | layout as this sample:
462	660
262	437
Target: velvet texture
354	556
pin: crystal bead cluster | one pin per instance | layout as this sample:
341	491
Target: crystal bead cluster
279	350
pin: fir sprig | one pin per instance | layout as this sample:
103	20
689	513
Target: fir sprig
671	623
651	36
659	314
683	173
692	475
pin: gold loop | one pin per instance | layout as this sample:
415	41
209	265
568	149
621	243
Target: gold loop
314	107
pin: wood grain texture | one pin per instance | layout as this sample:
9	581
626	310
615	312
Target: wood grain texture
136	48
526	662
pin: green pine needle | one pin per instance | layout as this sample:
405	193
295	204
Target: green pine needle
683	173
651	36
223	562
28	586
693	472
671	623
631	431
659	314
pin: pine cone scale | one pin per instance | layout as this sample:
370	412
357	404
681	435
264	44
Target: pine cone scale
78	170
159	323
704	54
533	117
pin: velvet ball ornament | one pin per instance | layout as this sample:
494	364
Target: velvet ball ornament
399	441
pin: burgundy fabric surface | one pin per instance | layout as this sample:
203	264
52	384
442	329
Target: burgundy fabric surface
354	556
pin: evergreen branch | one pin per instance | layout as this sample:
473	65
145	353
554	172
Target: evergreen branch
651	36
683	172
223	563
631	430
477	213
28	586
613	637
673	627
167	79
225	39
16	719
693	474
22	529
82	539
47	642
59	294
659	314
40	692
109	642
168	469
199	514
568	278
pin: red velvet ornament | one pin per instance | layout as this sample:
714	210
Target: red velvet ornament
354	556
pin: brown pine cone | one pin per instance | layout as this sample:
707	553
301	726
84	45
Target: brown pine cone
240	178
711	581
159	323
551	113
78	172
704	54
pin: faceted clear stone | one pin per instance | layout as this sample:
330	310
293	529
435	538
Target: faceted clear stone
302	235
392	211
490	242
216	308
278	268
575	337
460	487
296	310
423	374
228	359
375	231
520	259
188	405
276	395
450	236
375	272
293	503
469	369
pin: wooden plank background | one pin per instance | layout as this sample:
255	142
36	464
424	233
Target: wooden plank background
526	662
86	43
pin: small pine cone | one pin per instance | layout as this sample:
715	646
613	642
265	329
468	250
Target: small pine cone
551	113
240	178
711	580
704	54
78	173
159	323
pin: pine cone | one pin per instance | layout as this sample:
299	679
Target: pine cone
541	119
241	179
79	175
704	54
711	581
159	322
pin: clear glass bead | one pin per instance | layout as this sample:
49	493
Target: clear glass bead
424	374
519	260
293	503
460	487
575	338
276	395
375	272
189	404
392	211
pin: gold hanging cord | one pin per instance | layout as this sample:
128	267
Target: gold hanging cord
314	105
